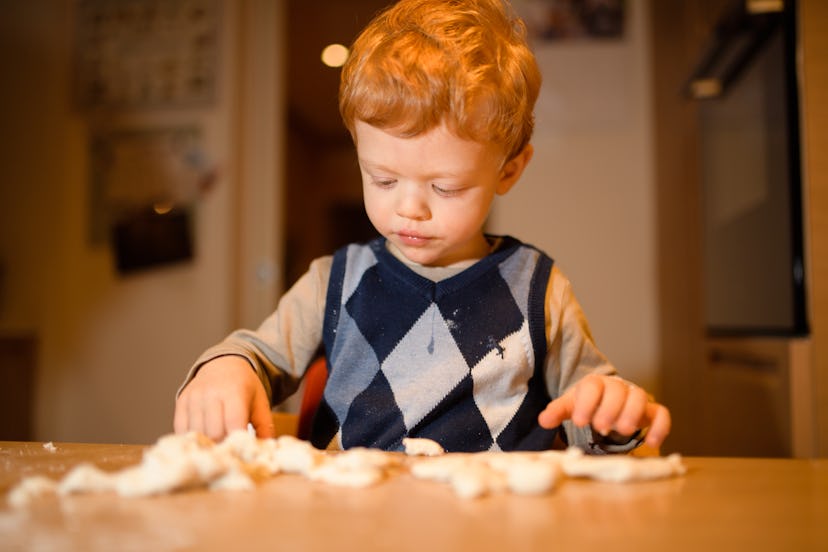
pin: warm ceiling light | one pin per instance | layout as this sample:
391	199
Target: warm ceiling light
162	207
765	6
334	55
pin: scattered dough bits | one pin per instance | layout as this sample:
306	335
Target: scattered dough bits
474	475
532	473
181	462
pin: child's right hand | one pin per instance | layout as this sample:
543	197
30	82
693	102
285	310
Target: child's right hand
223	396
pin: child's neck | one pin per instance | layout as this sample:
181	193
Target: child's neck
457	266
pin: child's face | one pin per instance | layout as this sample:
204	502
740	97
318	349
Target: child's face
430	194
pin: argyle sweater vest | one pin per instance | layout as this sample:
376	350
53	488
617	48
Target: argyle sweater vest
459	361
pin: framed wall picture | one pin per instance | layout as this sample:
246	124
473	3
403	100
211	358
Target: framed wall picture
552	20
146	53
144	188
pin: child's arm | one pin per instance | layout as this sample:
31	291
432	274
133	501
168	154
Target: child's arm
225	394
586	390
228	384
609	403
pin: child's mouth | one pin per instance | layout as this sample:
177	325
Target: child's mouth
412	239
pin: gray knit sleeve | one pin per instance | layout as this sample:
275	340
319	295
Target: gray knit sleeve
283	346
571	355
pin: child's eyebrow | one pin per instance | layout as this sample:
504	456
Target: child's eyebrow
372	164
378	166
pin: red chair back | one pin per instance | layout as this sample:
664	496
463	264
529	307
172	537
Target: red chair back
315	379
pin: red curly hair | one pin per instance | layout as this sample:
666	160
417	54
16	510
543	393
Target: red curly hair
465	63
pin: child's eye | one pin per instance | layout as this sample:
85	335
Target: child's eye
447	192
384	182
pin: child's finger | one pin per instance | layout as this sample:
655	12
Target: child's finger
587	395
180	423
195	414
236	414
611	404
261	417
214	421
578	403
557	411
660	423
634	414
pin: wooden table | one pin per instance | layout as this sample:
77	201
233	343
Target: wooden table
720	504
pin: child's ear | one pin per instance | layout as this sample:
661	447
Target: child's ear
511	171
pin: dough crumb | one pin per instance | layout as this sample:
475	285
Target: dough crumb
620	468
474	475
86	478
418	446
31	488
233	480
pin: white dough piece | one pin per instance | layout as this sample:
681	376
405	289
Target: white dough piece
146	480
474	475
532	476
418	446
440	468
50	446
359	457
260	455
242	444
86	478
621	469
473	482
356	467
175	462
190	452
31	488
234	480
334	474
297	456
467	475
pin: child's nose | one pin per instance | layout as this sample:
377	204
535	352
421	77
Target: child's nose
412	205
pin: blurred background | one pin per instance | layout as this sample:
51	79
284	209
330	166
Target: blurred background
171	166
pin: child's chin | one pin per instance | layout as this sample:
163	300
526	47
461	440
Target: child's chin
419	255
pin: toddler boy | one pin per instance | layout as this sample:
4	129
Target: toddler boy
436	329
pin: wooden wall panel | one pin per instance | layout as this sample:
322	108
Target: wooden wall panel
677	36
814	73
679	30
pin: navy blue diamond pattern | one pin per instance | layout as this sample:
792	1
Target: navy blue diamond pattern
376	404
383	313
457	420
484	308
523	431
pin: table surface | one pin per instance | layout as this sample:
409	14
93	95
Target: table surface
721	503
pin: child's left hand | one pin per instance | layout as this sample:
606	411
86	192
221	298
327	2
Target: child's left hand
609	403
